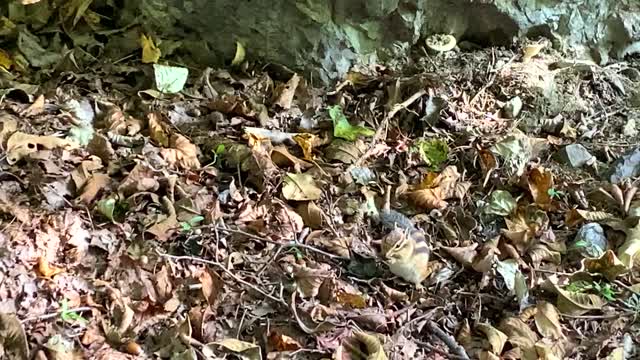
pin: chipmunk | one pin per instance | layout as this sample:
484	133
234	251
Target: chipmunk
405	248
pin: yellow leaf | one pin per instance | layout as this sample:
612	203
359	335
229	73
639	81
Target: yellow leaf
47	270
5	60
150	52
244	350
607	265
373	345
240	54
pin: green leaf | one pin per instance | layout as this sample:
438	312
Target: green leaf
196	219
220	149
170	79
343	129
434	152
502	203
107	207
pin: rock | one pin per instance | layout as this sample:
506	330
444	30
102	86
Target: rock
628	166
630	128
576	155
512	108
590	240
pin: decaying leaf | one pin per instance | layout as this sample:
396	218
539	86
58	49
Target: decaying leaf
531	50
20	145
436	188
548	320
307	143
308	280
576	303
286	92
608	265
373	346
150	52
242	349
496	338
300	187
502	203
627	253
540	182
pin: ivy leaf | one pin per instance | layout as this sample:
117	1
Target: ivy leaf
343	129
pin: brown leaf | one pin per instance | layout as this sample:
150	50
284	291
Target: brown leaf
519	333
159	131
93	186
163	284
575	303
183	153
47	270
287	91
280	342
311	214
353	301
308	280
300	187
497	339
7	206
338	245
464	255
307	143
608	265
165	228
212	285
34	109
283	158
9	126
141	178
373	345
436	188
548	320
540	181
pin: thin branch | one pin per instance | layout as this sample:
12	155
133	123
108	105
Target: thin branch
453	345
55	314
232	275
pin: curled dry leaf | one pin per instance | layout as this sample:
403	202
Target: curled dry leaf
242	349
436	188
20	145
93	186
540	181
548	320
283	158
519	333
47	270
497	339
576	217
311	214
212	285
308	280
287	91
608	265
123	124
628	251
178	150
307	143
531	50
9	125
575	303
166	227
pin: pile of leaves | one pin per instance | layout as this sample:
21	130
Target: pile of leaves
151	209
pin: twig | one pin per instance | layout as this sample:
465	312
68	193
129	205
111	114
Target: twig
55	314
232	275
597	317
439	351
453	345
384	123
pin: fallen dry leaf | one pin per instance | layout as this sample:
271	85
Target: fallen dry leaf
300	187
20	145
548	320
287	91
540	181
47	270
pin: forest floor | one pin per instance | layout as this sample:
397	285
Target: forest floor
237	217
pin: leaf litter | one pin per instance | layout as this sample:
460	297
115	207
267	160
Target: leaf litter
203	213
